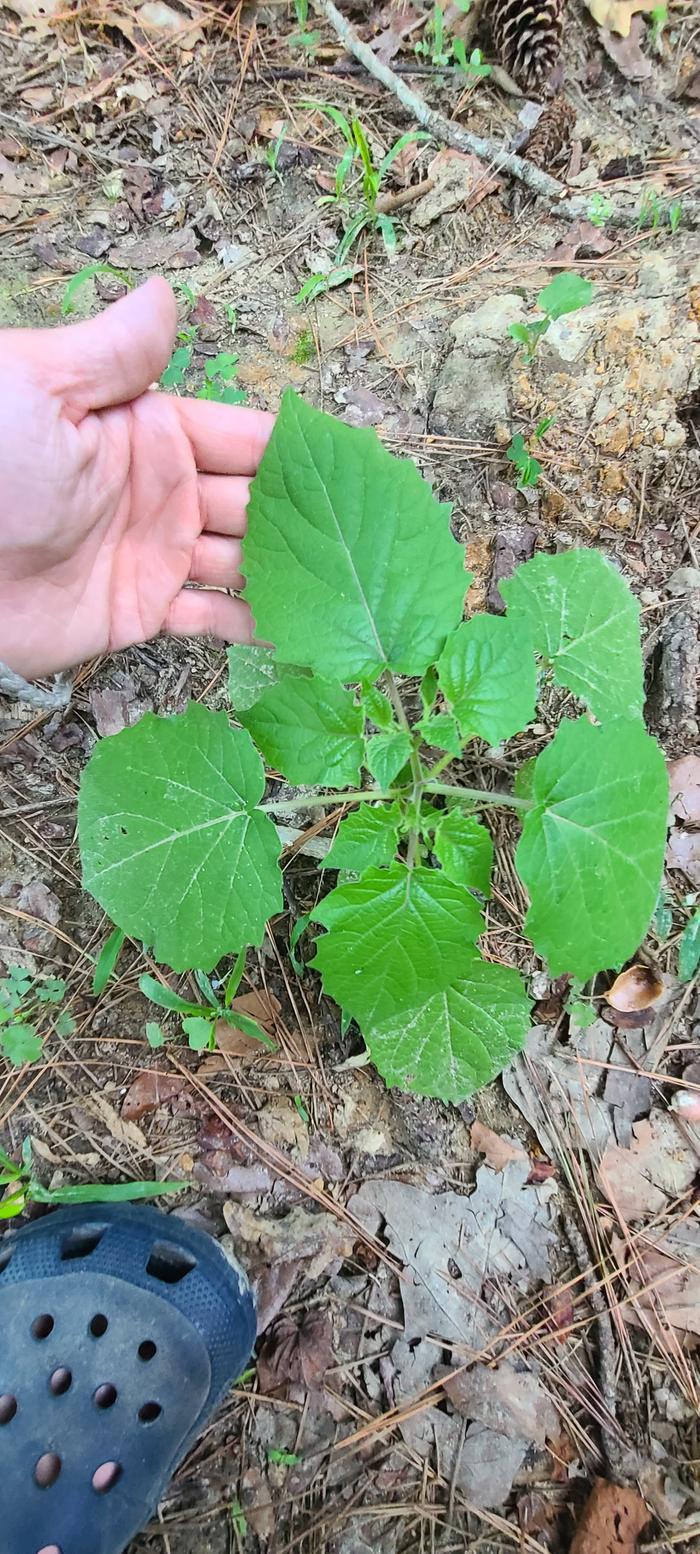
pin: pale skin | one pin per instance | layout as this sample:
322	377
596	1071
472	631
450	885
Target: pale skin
115	497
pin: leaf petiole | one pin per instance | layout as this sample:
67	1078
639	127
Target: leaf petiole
480	796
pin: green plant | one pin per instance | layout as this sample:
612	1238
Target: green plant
23	1188
565	294
432	44
689	948
199	1021
304	348
23	999
600	209
306	38
272	151
475	66
528	467
81	278
177	839
675	216
659	19
316	285
366	216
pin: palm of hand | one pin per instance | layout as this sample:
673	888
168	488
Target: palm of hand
111	509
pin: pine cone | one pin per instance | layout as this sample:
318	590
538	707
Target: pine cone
552	134
527	36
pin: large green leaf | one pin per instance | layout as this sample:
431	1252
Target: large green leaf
366	839
465	850
487	673
350	562
591	853
309	729
394	938
459	1039
385	754
585	622
250	671
171	843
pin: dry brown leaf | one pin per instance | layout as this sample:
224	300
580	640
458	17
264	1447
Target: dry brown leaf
505	1398
660	1165
260	1006
123	1131
636	988
296	1350
581	235
684	778
683	852
155	16
158	250
495	1147
148	1091
611	1521
663	1279
626	53
617	15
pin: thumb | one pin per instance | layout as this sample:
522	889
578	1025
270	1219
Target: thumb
114	357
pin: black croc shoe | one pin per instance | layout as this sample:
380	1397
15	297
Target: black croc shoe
121	1328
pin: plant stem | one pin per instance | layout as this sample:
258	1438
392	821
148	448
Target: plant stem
414	762
317	800
480	796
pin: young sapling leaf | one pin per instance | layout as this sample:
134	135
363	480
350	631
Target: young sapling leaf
310	729
592	850
465	850
487	675
584	621
387	754
366	838
367	595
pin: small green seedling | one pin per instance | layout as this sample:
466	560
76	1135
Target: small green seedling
689	949
107	961
432	44
23	999
22	1188
304	348
88	273
199	1021
565	294
318	284
528	467
282	1459
475	67
675	216
659	20
600	209
380	697
306	38
219	380
366	217
272	151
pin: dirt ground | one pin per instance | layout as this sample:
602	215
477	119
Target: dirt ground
479	1324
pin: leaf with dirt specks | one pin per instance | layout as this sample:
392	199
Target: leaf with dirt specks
660	1166
591	853
456	1040
611	1521
585	623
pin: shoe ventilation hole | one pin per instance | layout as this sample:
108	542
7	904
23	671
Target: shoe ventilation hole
99	1325
47	1470
105	1396
106	1476
8	1408
5	1257
149	1412
147	1349
169	1263
60	1381
81	1242
42	1326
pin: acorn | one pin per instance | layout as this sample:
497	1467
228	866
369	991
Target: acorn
527	37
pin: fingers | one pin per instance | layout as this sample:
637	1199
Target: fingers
199	612
223	500
226	439
216	561
112	358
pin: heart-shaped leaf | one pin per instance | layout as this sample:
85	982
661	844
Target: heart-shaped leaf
350	562
487	674
172	845
310	729
459	1038
591	853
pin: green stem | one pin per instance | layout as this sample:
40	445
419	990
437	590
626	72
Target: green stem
434	771
480	796
414	762
318	800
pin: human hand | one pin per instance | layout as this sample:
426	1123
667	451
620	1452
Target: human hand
112	499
